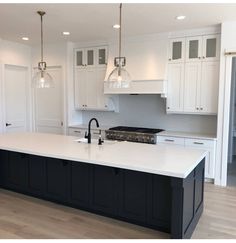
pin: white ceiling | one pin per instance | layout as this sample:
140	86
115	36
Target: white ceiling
89	22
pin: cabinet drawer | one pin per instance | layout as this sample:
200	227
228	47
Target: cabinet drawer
170	140
76	132
200	143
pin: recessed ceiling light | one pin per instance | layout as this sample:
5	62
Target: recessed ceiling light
180	17
66	33
116	26
25	38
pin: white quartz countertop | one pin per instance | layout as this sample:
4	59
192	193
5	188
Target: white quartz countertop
157	159
188	135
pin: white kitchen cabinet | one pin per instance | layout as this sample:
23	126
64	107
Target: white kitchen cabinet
80	132
209	87
204	144
176	50
175	87
91	57
89	74
198	78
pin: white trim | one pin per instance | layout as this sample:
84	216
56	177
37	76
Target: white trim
223	120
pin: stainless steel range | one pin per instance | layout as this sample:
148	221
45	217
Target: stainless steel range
133	134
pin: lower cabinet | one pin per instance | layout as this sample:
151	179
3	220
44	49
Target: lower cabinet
104	189
57	174
133	194
3	167
17	171
80	184
37	175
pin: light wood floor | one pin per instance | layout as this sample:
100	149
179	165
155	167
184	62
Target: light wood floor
26	217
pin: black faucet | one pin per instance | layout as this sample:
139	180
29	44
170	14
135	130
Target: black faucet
88	136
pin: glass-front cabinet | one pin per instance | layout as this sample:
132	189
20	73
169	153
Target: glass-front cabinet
176	50
91	57
211	46
193	48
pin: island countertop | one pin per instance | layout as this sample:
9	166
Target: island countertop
156	159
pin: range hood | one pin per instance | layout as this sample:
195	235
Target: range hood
139	87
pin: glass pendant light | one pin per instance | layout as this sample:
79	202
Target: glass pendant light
42	78
119	77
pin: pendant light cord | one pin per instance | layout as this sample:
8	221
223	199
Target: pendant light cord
120	34
41	38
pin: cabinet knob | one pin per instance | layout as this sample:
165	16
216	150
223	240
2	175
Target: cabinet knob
199	57
169	59
203	57
168	107
197	108
201	108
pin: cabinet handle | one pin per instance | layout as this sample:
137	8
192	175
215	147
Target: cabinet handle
169	59
198	143
168	107
199	57
64	163
77	131
8	124
96	133
201	109
203	57
169	140
197	108
116	171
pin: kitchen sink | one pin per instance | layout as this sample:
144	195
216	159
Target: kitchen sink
95	141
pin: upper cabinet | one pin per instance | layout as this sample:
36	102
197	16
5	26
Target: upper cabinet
176	50
91	57
193	75
89	75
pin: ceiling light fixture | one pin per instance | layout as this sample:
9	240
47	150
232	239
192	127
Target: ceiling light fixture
25	38
180	17
66	33
116	26
42	78
119	77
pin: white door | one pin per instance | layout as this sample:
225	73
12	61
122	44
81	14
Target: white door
175	87
15	82
80	88
49	105
191	86
209	87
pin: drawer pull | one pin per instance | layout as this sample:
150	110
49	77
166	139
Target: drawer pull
96	133
169	140
198	143
77	131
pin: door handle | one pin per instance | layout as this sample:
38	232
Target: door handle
8	124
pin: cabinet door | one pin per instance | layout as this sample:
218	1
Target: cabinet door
37	175
159	201
193	49
177	50
91	88
102	56
80	88
80	184
192	81
209	87
102	99
211	48
3	167
80	59
133	195
104	189
18	171
90	57
175	87
57	172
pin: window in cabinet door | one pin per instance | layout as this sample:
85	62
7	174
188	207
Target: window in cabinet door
90	57
177	50
211	47
102	56
79	58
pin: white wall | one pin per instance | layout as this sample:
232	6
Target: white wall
14	54
149	111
